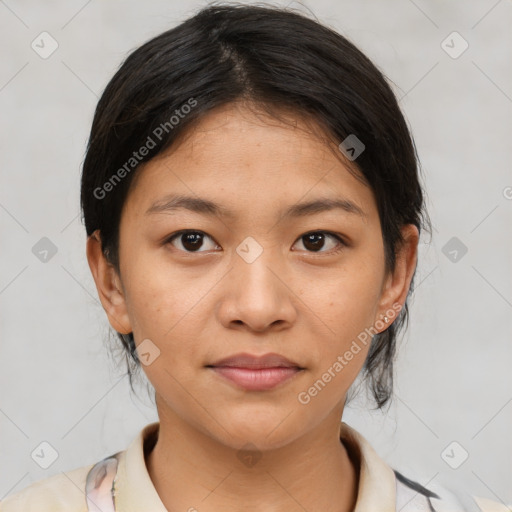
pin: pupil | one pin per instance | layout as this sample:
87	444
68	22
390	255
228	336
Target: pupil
314	239
192	238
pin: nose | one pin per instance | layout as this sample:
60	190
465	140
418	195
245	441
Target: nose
257	296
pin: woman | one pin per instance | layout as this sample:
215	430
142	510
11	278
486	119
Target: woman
253	208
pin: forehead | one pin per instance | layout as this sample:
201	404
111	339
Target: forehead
243	158
241	131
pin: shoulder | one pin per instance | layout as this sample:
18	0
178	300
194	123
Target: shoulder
61	492
413	497
94	486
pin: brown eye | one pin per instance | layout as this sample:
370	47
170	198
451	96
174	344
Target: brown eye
317	240
190	241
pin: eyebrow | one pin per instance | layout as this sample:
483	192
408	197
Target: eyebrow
174	202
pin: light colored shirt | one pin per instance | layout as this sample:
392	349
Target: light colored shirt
121	483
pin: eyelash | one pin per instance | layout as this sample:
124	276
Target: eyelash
342	244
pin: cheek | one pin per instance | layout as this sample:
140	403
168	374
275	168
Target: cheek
346	309
347	302
158	297
165	307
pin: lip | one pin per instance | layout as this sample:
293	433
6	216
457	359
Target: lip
244	360
256	373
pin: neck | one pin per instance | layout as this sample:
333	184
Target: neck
191	470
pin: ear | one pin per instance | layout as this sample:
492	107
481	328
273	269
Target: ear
396	284
108	284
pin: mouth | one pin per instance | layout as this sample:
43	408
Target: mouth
256	373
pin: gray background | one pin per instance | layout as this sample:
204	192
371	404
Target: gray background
453	381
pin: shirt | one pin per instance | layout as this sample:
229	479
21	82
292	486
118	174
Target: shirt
121	483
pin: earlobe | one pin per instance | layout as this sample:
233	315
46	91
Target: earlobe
397	283
108	285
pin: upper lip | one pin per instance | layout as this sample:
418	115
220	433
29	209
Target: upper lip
255	362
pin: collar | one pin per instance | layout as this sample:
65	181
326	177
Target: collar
134	490
377	483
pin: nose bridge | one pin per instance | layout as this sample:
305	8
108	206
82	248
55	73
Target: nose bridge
255	294
256	264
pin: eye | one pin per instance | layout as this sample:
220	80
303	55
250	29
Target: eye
190	241
316	240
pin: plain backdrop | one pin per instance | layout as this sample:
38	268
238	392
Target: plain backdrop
453	380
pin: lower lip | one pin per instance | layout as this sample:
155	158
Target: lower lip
256	380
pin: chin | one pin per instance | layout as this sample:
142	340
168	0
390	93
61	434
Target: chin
264	430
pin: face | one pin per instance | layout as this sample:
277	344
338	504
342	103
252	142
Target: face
260	273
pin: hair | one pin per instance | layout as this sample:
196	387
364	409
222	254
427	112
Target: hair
274	58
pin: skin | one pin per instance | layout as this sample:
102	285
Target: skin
198	307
